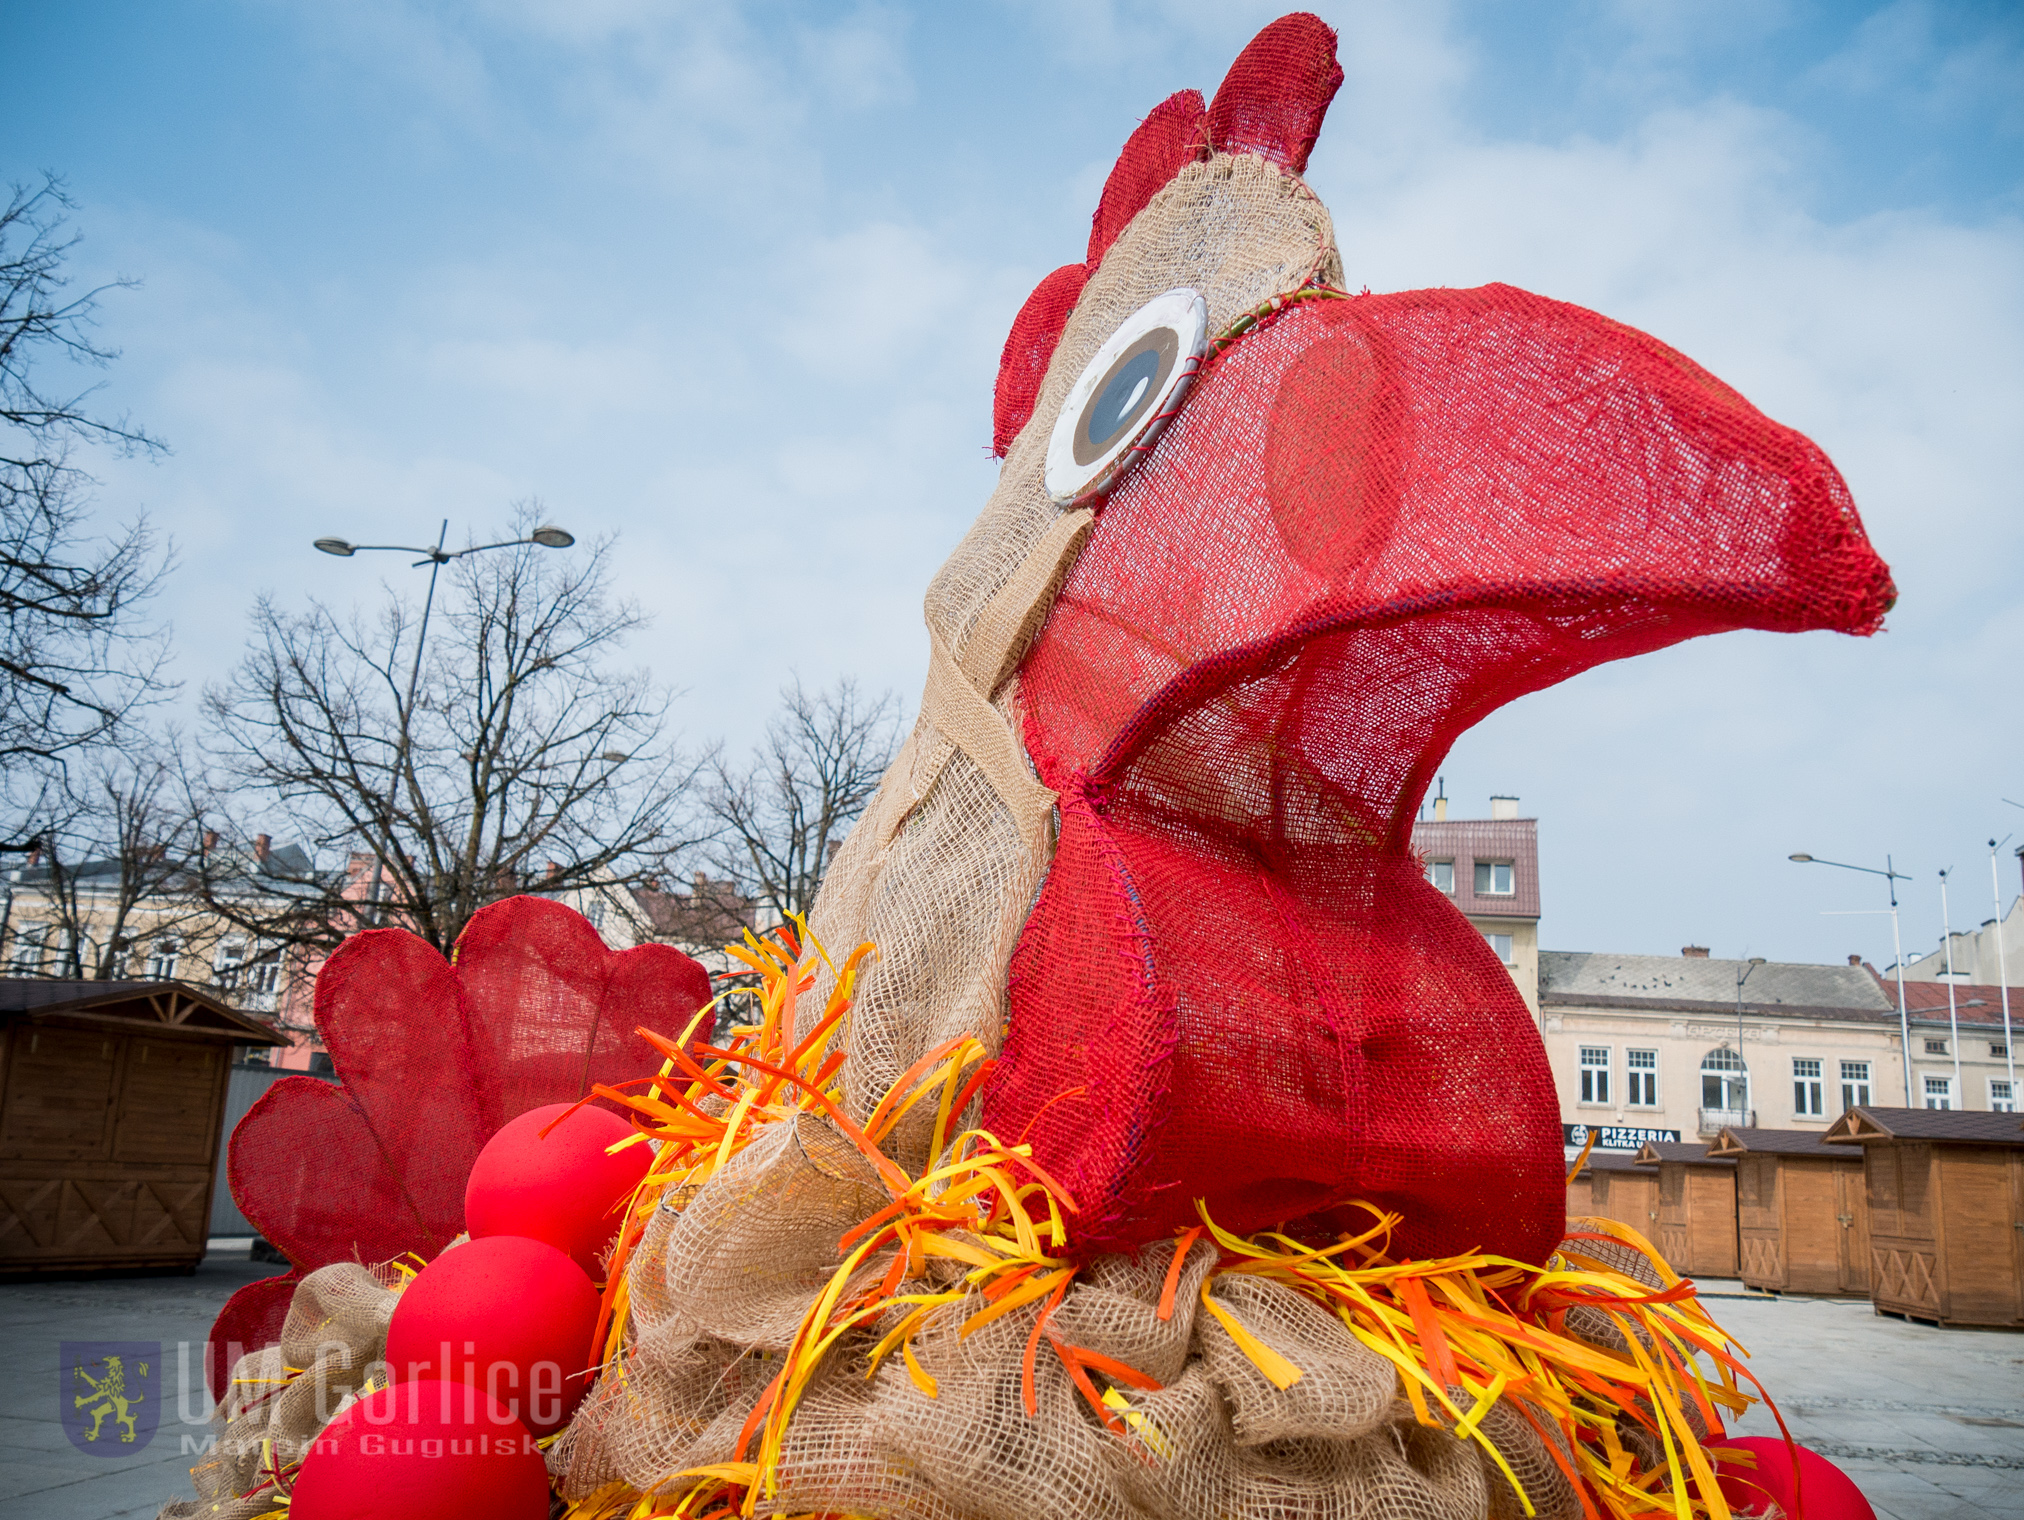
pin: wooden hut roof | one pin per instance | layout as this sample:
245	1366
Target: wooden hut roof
132	1008
1609	1161
1655	1151
1962	1126
1736	1143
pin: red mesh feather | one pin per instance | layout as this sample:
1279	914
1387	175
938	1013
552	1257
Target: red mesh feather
1273	99
432	1060
1028	347
1375	521
1173	136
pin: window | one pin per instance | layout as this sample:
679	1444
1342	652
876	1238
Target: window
1501	943
226	963
162	964
1939	1092
1493	878
1442	874
263	976
2002	1097
1808	1100
1854	1084
1725	1081
1998	1051
594	911
28	947
1595	1073
1641	1067
1936	1047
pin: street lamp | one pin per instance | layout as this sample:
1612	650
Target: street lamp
1741	977
1892	876
2003	966
548	536
1953	1019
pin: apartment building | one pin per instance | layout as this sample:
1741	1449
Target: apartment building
1490	867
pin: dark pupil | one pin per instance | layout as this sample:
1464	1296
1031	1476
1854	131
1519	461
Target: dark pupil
1107	417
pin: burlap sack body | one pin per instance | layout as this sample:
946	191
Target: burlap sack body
715	1289
943	867
335	1334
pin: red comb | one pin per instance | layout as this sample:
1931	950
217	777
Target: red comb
1276	93
1028	347
1169	139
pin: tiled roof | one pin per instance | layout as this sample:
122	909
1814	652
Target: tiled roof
1967	1126
1926	1002
1779	1142
1656	1151
1582	978
1467	840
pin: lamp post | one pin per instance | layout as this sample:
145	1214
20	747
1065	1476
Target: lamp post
547	535
1741	977
1892	876
2003	967
1953	1017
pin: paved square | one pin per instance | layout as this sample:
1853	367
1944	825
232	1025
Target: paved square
1929	1422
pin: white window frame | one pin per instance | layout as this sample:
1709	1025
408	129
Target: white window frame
1809	1088
1938	1087
1734	1081
1486	870
1854	1089
1436	869
31	948
1936	1047
2002	1096
1594	1078
1637	1075
1503	951
165	952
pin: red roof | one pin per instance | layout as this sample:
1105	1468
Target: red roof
1927	1001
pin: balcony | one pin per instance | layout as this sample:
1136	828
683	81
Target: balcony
1715	1120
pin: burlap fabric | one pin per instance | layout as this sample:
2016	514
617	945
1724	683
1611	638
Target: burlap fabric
724	1274
944	864
279	1398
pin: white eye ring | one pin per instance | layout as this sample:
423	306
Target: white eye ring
1126	395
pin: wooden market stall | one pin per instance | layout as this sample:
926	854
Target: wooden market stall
1945	1190
1801	1219
1696	1208
112	1095
1621	1190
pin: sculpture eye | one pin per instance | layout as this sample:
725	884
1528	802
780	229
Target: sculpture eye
1126	395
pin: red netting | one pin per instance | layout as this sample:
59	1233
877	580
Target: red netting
1273	99
1376	520
432	1060
1175	133
1028	347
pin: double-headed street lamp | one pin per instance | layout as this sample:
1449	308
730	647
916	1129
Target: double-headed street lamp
548	536
1892	876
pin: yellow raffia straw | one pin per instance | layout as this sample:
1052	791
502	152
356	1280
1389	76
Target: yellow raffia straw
1466	1333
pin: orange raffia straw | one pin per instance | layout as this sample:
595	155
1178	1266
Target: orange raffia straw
1464	1333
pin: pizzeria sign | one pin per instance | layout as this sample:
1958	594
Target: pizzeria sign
1617	1137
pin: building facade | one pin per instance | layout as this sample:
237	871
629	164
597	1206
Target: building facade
1490	868
1691	1045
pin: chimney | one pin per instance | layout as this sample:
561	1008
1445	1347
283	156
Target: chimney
261	845
1440	810
1503	807
554	869
1855	960
1694	952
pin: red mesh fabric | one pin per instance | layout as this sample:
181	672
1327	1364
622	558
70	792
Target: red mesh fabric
1028	347
1375	521
1173	135
1273	99
432	1060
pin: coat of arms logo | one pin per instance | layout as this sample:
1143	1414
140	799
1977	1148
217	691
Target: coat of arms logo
110	1395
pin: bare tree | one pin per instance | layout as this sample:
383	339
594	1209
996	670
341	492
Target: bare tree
781	815
527	762
118	839
76	656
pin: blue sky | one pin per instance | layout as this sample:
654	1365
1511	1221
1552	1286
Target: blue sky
730	281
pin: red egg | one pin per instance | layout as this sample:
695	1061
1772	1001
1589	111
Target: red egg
1828	1492
510	1316
562	1187
420	1451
